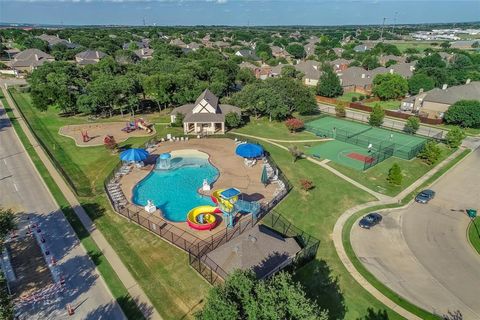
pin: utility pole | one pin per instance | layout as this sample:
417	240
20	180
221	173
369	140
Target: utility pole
383	26
394	21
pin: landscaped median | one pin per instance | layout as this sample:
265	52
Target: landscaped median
371	279
474	234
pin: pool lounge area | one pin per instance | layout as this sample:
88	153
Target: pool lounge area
177	191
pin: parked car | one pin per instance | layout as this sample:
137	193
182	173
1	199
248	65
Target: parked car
370	220
425	196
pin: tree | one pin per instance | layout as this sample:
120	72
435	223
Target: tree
390	63
454	137
430	153
7	224
232	120
245	76
242	296
296	50
376	116
340	111
329	83
294	124
370	62
179	120
445	44
6	304
465	113
412	125
420	81
295	152
389	86
291	72
395	175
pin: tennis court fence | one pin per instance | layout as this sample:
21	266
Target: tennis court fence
360	139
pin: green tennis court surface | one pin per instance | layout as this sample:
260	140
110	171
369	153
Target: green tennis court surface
353	139
338	151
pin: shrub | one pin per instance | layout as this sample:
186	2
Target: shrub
465	113
395	175
295	152
340	111
354	99
178	120
306	184
376	116
430	153
412	125
294	124
454	137
362	97
232	120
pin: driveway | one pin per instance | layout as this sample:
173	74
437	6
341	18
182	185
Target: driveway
22	189
422	253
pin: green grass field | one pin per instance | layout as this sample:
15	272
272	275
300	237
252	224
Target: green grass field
349	95
162	270
419	45
474	234
388	104
273	130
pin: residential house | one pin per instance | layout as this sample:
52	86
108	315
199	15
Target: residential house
340	64
28	60
247	65
446	56
363	47
384	59
311	71
89	57
248	54
435	103
12	52
338	51
295	35
276	71
205	116
54	40
221	44
142	44
178	42
194	46
356	79
279	52
144	53
309	49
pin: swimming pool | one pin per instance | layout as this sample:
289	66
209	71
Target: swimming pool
174	191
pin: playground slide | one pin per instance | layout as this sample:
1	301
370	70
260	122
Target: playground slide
143	126
218	200
203	217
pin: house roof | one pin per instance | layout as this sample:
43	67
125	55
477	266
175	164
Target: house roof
340	61
144	52
259	249
53	40
177	42
310	68
353	76
30	58
247	54
90	55
309	48
451	95
218	116
193	45
247	65
363	47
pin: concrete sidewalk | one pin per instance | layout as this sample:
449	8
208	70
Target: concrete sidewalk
135	291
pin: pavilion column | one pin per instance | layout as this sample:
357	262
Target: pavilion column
212	127
223	127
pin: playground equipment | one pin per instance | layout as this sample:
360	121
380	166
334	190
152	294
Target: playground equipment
163	161
228	201
85	136
137	124
203	217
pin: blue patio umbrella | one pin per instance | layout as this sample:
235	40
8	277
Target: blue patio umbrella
249	150
134	155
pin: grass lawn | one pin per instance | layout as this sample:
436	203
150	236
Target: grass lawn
389	104
273	130
349	95
326	279
419	45
161	269
468	131
474	234
375	178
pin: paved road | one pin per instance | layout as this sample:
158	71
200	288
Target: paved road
387	122
422	253
22	190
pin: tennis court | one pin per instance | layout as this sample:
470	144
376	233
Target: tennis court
343	153
381	143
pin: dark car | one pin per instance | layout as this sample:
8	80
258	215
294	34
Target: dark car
370	220
425	196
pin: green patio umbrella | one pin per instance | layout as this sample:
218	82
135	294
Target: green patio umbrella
264	177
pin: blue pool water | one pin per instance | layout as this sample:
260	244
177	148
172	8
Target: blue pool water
174	191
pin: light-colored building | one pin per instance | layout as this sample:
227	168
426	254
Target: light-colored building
28	60
205	116
144	53
89	57
435	103
311	71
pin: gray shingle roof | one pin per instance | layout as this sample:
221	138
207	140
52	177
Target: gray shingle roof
209	97
310	68
451	95
90	55
30	58
144	52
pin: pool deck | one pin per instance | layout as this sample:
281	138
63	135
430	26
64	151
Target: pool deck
233	173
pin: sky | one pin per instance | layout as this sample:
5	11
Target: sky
236	12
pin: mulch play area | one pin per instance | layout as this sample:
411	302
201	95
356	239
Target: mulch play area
92	134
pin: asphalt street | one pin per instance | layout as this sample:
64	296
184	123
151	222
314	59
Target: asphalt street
22	190
422	251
